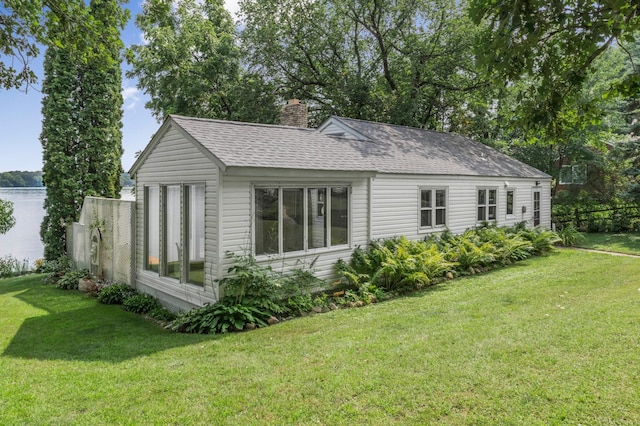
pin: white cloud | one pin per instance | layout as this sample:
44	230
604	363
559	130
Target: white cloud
131	97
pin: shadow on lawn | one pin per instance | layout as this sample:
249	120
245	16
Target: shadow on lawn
77	327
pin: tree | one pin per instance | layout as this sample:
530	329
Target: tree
23	24
81	137
6	216
191	64
552	46
406	62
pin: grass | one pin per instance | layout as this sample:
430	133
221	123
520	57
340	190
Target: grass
628	243
551	340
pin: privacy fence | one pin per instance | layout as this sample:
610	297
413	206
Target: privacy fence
102	241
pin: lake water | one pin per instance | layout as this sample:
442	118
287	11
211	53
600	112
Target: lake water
22	242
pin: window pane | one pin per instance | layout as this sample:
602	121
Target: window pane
441	215
482	213
152	229
440	198
266	224
492	212
509	202
492	196
425	218
195	199
173	246
482	194
339	216
317	220
425	198
292	219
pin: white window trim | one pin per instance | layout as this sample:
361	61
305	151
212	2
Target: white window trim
487	205
433	208
327	212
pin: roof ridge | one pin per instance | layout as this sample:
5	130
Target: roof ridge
240	123
402	126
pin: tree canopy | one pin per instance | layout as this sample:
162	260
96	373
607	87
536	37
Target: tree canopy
551	46
6	216
26	24
408	63
191	64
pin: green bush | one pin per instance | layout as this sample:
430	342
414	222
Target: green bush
162	314
115	294
56	269
69	281
399	265
140	303
219	318
570	236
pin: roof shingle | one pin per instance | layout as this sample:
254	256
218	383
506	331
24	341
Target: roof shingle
387	149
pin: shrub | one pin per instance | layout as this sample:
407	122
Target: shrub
570	236
56	269
219	318
140	303
69	281
251	284
162	314
115	294
10	266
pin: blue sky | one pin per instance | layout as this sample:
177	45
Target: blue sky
21	118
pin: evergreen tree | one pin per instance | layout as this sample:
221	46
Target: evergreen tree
81	129
59	145
99	101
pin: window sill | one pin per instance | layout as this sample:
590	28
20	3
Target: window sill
302	253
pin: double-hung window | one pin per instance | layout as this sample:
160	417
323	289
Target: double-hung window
433	207
300	218
487	204
174	231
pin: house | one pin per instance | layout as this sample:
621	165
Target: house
292	196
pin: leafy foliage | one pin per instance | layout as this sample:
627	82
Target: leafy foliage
219	318
140	303
115	294
81	137
570	236
10	266
401	265
210	83
406	63
69	281
6	216
551	45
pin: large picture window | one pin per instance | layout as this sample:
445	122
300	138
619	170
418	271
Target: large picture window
181	212
433	207
487	204
295	219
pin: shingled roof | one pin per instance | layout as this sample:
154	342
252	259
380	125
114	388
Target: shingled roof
368	146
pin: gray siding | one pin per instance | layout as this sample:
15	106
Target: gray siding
175	160
395	202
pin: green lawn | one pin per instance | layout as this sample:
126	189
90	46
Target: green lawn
551	340
620	243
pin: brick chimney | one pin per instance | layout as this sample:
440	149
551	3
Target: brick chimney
294	114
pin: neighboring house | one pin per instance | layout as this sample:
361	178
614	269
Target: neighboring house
292	196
